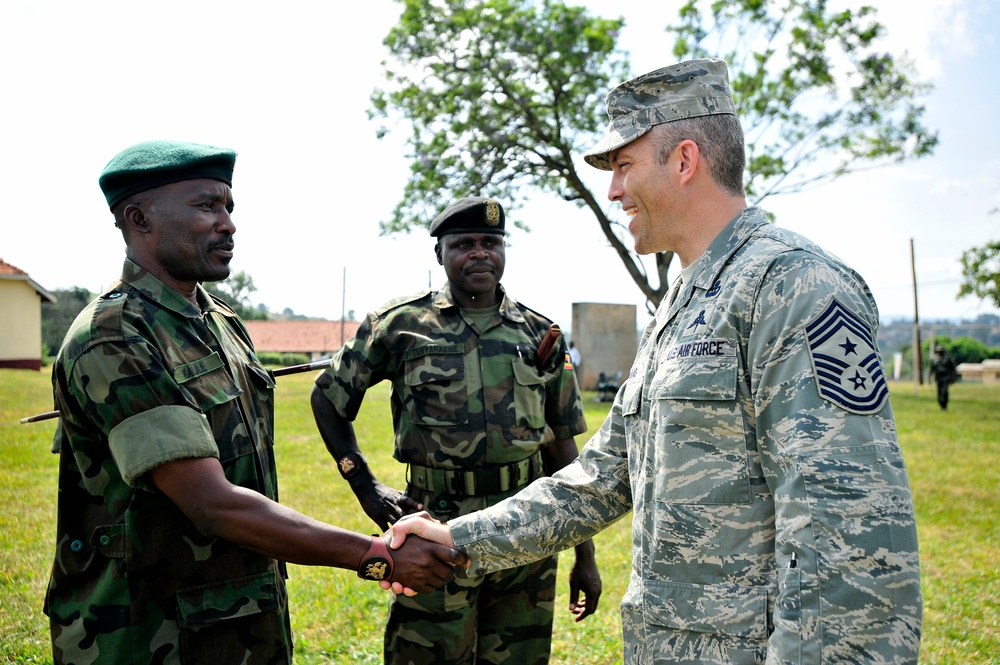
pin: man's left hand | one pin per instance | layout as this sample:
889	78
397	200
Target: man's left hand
584	579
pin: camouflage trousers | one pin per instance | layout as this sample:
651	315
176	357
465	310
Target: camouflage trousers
504	617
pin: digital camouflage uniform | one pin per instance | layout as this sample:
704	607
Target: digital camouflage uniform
755	443
464	398
145	378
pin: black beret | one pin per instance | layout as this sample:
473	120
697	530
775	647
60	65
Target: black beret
473	214
153	164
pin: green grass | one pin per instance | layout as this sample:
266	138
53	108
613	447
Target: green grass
952	459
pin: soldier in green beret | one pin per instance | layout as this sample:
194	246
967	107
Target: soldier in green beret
170	541
480	410
753	441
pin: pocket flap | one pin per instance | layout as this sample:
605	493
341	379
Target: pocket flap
718	609
237	597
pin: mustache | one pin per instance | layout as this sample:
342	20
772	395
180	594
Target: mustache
226	243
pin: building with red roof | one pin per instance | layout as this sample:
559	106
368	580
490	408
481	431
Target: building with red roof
21	301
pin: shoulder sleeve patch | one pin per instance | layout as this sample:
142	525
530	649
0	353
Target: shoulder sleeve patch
845	362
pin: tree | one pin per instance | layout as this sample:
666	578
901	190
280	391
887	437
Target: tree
816	97
236	290
502	95
58	316
981	271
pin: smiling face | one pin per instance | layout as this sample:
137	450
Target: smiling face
644	187
182	232
474	264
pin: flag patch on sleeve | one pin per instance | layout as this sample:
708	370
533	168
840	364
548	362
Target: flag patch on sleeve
845	362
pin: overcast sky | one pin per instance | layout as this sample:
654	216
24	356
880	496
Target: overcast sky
287	85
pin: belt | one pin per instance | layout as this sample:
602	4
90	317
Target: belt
476	482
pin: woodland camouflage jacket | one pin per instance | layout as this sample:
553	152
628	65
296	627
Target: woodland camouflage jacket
145	377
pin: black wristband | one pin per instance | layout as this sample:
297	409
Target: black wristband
350	464
377	563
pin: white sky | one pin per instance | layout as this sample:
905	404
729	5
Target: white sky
288	89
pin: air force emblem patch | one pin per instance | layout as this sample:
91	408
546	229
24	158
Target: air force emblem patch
847	368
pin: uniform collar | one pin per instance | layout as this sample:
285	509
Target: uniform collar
159	292
508	306
730	239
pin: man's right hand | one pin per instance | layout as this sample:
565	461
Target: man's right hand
383	504
420	566
423	525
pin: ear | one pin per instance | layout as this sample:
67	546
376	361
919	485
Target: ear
689	158
437	253
134	217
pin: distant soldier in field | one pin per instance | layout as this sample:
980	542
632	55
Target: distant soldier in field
480	410
944	372
170	543
753	442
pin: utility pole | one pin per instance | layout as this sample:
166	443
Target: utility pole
343	305
918	362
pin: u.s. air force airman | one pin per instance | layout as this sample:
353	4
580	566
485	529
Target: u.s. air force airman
753	439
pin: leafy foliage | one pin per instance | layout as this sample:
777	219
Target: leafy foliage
500	96
962	349
981	272
236	290
816	97
58	316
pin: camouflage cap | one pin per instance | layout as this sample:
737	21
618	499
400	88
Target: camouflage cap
152	164
473	214
686	90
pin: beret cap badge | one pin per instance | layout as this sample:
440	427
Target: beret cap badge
492	212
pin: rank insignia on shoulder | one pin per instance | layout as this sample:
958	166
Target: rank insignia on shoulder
845	361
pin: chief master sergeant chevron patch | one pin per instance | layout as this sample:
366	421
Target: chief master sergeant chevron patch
847	368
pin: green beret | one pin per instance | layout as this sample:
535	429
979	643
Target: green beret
153	164
686	90
473	214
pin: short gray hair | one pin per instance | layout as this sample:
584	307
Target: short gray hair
720	140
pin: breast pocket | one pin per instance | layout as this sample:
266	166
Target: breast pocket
206	382
700	439
209	387
529	395
435	384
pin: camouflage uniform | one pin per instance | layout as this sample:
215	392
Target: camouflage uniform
945	373
464	397
755	443
145	378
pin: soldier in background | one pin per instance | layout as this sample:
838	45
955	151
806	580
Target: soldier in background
945	372
478	414
754	440
170	541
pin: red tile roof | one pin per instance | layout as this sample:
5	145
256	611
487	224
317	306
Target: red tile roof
8	269
314	337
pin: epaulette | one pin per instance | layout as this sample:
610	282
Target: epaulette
543	320
404	301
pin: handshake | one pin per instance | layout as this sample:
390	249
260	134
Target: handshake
424	563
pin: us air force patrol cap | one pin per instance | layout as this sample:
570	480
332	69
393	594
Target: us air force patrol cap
152	164
686	90
473	214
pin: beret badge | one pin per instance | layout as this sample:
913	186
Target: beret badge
492	212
